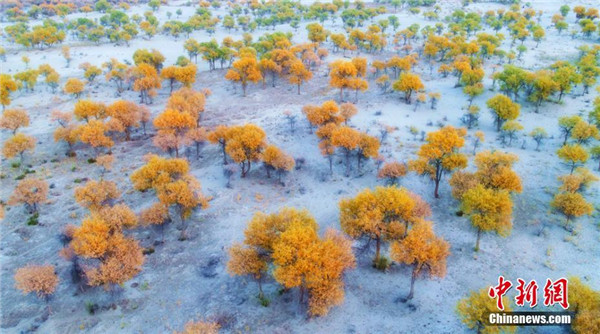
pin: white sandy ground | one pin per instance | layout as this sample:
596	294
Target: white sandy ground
187	280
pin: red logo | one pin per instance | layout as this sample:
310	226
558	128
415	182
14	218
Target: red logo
556	293
500	290
527	293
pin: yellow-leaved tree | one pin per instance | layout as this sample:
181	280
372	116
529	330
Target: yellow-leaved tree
489	210
440	154
408	83
288	240
383	214
474	312
173	185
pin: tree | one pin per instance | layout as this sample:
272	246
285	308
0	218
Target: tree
157	172
156	214
328	112
510	129
185	194
31	192
189	101
571	205
573	155
565	75
7	86
172	126
146	81
578	181
566	125
39	279
543	86
348	139
342	74
244	261
585	302
474	312
244	145
169	73
298	74
368	148
254	255
91	71
493	172
316	33
489	210
196	137
503	109
244	70
122	260
422	250
595	153
219	135
539	135
17	145
153	58
93	133
383	215
86	109
13	119
269	67
118	72
440	154
187	75
74	87
392	171
28	79
408	83
123	116
195	327
583	132
173	185
314	265
276	160
96	194
347	111
66	130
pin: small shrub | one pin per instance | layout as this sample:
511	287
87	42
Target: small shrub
264	301
382	264
33	220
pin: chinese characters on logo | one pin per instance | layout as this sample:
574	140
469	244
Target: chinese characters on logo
554	292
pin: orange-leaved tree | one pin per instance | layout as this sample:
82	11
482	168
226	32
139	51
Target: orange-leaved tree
13	119
244	71
422	250
17	145
298	74
245	144
276	160
348	139
94	133
124	115
42	280
172	126
31	192
146	82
